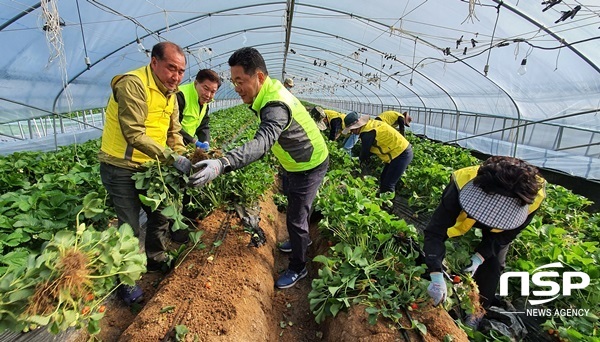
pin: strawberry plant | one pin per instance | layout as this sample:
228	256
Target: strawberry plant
365	265
65	283
163	187
44	194
562	230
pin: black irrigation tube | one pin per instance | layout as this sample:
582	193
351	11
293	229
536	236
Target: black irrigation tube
421	338
404	331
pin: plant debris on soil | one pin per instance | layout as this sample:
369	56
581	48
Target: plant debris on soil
226	292
226	295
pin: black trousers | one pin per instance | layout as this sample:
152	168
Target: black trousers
301	188
393	171
487	276
127	204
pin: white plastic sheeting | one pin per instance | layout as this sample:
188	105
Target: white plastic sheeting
428	54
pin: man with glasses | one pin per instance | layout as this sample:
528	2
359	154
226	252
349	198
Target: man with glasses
193	99
287	129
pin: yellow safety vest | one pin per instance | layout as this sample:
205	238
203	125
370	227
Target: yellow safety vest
300	149
390	117
192	115
388	142
463	222
157	121
332	114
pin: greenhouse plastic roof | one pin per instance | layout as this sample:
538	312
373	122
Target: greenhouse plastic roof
424	53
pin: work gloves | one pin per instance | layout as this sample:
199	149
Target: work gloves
437	288
203	145
182	164
476	261
210	169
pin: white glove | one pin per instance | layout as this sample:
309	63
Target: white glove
437	288
476	261
210	169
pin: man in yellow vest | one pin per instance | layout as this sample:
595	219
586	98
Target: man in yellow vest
334	121
500	197
142	124
395	119
382	140
288	131
193	99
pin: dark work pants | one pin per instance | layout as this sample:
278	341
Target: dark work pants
487	276
127	204
393	171
301	191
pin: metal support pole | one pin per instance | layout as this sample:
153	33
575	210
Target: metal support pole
457	125
55	133
514	153
559	137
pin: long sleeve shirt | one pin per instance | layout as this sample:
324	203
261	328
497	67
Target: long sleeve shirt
130	94
401	126
366	140
335	128
273	120
445	216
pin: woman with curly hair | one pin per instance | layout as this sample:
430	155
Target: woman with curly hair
500	197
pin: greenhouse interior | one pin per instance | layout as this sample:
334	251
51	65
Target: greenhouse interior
472	82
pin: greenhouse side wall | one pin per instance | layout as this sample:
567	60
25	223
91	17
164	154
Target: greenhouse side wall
549	144
48	133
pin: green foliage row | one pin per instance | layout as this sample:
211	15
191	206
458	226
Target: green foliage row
429	172
369	262
42	194
42	201
561	231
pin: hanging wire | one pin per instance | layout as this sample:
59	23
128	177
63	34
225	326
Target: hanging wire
56	44
87	58
487	62
529	51
562	42
472	14
413	62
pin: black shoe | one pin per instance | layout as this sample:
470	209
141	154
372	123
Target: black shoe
180	236
158	266
130	294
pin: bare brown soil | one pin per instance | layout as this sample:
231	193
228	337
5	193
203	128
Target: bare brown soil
227	293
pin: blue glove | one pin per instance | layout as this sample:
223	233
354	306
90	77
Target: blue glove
182	164
437	288
210	169
203	145
476	261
